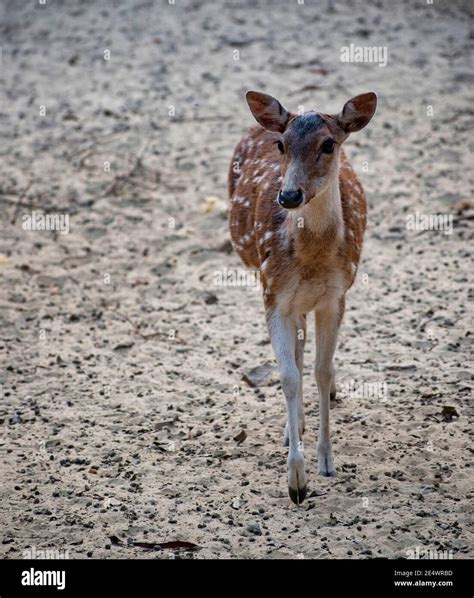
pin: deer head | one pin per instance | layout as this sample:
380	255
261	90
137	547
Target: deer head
309	143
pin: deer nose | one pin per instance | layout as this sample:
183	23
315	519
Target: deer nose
290	199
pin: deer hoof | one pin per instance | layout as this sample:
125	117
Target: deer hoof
298	495
326	463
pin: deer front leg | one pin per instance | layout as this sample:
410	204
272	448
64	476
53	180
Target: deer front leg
328	321
299	357
283	331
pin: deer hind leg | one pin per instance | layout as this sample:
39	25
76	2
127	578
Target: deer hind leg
283	332
300	341
328	321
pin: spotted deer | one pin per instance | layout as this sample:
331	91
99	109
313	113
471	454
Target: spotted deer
298	215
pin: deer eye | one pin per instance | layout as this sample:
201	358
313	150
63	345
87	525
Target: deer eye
280	147
328	146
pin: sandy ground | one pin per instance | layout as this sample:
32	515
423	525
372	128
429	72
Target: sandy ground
123	386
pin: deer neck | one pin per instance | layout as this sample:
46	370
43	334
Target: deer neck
321	218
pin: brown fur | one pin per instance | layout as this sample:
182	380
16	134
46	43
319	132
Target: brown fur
312	257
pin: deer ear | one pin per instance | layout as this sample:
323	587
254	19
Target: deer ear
267	111
357	112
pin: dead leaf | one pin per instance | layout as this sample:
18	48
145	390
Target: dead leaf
210	299
139	281
166	424
27	268
212	204
462	205
173	545
241	436
124	345
259	375
146	545
448	412
401	367
179	545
